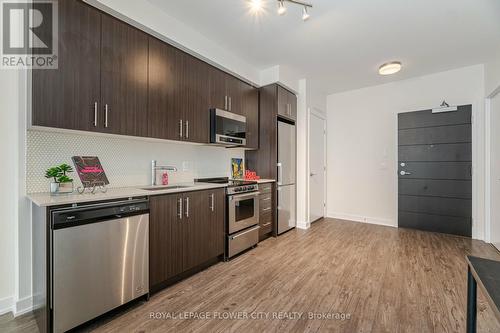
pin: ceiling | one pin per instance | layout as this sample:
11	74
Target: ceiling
341	47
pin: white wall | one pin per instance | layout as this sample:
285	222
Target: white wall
492	75
310	97
362	142
8	203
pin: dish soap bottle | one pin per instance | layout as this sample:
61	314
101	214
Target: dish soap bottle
164	178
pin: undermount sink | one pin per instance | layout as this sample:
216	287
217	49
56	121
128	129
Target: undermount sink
163	188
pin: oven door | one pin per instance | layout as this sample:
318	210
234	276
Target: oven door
243	211
227	128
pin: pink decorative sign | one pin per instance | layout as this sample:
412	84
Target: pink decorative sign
90	171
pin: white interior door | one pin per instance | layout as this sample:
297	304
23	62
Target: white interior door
317	166
495	171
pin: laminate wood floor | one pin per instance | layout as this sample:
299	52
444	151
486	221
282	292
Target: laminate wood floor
385	279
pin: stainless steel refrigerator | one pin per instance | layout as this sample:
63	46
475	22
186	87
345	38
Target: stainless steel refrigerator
286	177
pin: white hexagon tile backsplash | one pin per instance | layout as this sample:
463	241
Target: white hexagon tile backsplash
125	160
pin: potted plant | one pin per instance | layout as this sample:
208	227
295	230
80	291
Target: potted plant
62	183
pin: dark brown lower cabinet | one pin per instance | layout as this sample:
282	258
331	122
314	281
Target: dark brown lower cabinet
186	231
267	207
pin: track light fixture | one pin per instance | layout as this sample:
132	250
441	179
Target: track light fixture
305	14
281	7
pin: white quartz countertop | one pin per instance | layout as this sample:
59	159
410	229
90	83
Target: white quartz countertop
46	200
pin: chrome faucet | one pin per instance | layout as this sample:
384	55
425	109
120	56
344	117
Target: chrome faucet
155	168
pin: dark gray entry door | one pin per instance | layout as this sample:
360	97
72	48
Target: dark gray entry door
435	171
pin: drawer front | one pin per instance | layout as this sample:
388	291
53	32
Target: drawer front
242	241
265	203
266	188
266	210
266	223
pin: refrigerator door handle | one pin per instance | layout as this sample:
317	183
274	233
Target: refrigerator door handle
280	173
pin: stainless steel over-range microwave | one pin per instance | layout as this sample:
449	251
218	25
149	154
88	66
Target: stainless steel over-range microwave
227	128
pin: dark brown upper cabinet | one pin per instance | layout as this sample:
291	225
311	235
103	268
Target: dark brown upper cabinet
194	99
287	103
178	95
69	97
124	78
164	110
114	78
250	109
229	93
217	89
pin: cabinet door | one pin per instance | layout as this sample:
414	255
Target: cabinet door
235	90
204	218
213	225
165	238
193	217
292	100
216	247
194	99
164	110
283	107
217	89
250	105
66	97
124	78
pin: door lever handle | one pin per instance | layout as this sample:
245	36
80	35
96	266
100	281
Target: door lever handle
404	173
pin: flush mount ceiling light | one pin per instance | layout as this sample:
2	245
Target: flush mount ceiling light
305	14
390	68
255	6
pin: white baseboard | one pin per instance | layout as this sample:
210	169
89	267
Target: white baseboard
6	305
363	219
303	225
23	306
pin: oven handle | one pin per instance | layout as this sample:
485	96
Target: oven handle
244	196
246	232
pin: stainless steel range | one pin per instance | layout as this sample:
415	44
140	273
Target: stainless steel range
242	214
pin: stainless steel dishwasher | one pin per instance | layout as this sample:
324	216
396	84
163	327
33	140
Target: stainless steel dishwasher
100	259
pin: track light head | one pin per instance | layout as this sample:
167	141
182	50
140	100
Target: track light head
305	14
281	8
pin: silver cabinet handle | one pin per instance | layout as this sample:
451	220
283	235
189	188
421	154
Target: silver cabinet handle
230	103
187	207
212	202
404	173
180	128
106	111
266	209
187	129
246	232
266	199
225	103
179	209
95	114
